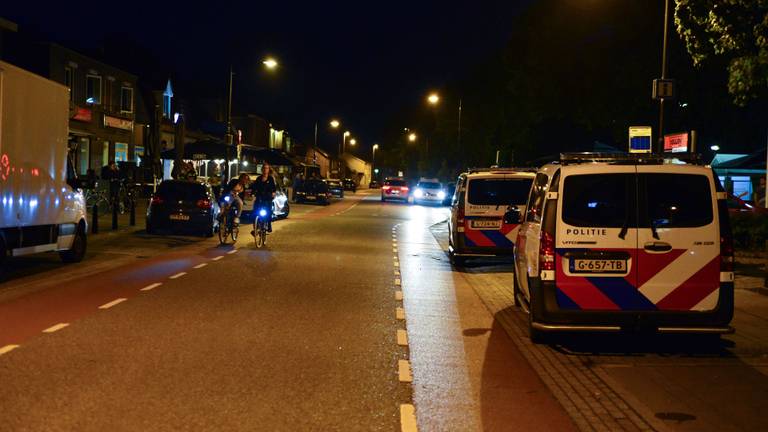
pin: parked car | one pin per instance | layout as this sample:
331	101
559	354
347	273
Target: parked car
737	205
280	205
313	190
374	184
617	242
428	191
350	185
184	206
394	189
477	227
335	187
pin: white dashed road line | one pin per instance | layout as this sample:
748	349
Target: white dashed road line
397	282
404	371
151	287
233	251
199	266
8	348
112	303
400	313
56	328
217	258
402	337
408	418
177	275
399	295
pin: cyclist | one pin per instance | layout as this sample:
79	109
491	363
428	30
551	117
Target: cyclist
230	195
264	189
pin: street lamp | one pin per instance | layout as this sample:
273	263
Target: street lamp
352	141
412	137
433	99
270	63
335	124
373	158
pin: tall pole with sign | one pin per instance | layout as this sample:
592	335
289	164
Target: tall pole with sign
664	92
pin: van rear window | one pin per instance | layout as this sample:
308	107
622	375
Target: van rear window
498	191
599	200
677	200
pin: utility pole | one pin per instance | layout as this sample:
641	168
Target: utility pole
229	136
660	149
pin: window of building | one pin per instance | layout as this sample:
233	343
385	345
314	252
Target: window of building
68	80
121	152
126	99
93	89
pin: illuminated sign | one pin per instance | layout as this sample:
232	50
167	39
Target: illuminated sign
118	123
676	143
82	114
640	139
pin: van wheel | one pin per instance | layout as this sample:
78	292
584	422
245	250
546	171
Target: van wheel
77	252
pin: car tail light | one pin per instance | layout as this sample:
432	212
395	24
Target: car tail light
726	253
546	251
204	204
385	188
156	200
404	189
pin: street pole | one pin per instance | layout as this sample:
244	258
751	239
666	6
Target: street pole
458	135
315	134
663	76
228	140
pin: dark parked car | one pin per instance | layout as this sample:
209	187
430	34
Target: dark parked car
335	188
183	206
374	184
350	185
313	190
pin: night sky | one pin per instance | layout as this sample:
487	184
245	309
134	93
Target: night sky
359	62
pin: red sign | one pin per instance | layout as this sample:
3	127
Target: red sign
82	114
676	143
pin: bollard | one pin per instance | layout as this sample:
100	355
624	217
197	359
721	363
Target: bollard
114	215
133	213
95	219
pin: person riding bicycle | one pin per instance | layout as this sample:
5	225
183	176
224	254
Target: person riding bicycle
264	189
230	196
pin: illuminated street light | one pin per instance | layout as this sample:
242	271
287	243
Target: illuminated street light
270	63
347	133
715	148
412	137
352	141
335	124
433	98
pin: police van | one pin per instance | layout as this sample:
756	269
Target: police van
482	197
625	242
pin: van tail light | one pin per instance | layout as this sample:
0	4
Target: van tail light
204	204
726	253
460	216
546	251
156	200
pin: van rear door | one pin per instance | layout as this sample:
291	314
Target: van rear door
679	239
596	240
487	201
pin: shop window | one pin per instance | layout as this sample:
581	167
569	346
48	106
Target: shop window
93	89
138	154
121	152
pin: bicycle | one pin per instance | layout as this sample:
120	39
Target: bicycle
227	226
260	224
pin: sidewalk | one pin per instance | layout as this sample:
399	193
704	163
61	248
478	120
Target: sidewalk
123	220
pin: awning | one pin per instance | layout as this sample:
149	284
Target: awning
203	150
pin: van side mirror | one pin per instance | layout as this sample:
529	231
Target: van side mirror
512	216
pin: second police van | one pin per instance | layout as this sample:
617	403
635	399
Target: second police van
625	242
477	227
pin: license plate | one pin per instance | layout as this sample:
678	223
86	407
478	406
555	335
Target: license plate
485	224
598	266
180	217
395	192
311	197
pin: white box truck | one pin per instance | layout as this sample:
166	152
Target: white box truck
39	211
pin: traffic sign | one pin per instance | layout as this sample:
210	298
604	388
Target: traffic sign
663	89
640	139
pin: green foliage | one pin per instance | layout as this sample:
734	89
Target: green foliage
734	30
750	231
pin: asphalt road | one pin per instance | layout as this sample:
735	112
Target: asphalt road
350	316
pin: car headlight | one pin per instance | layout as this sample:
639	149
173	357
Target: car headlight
441	195
418	193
